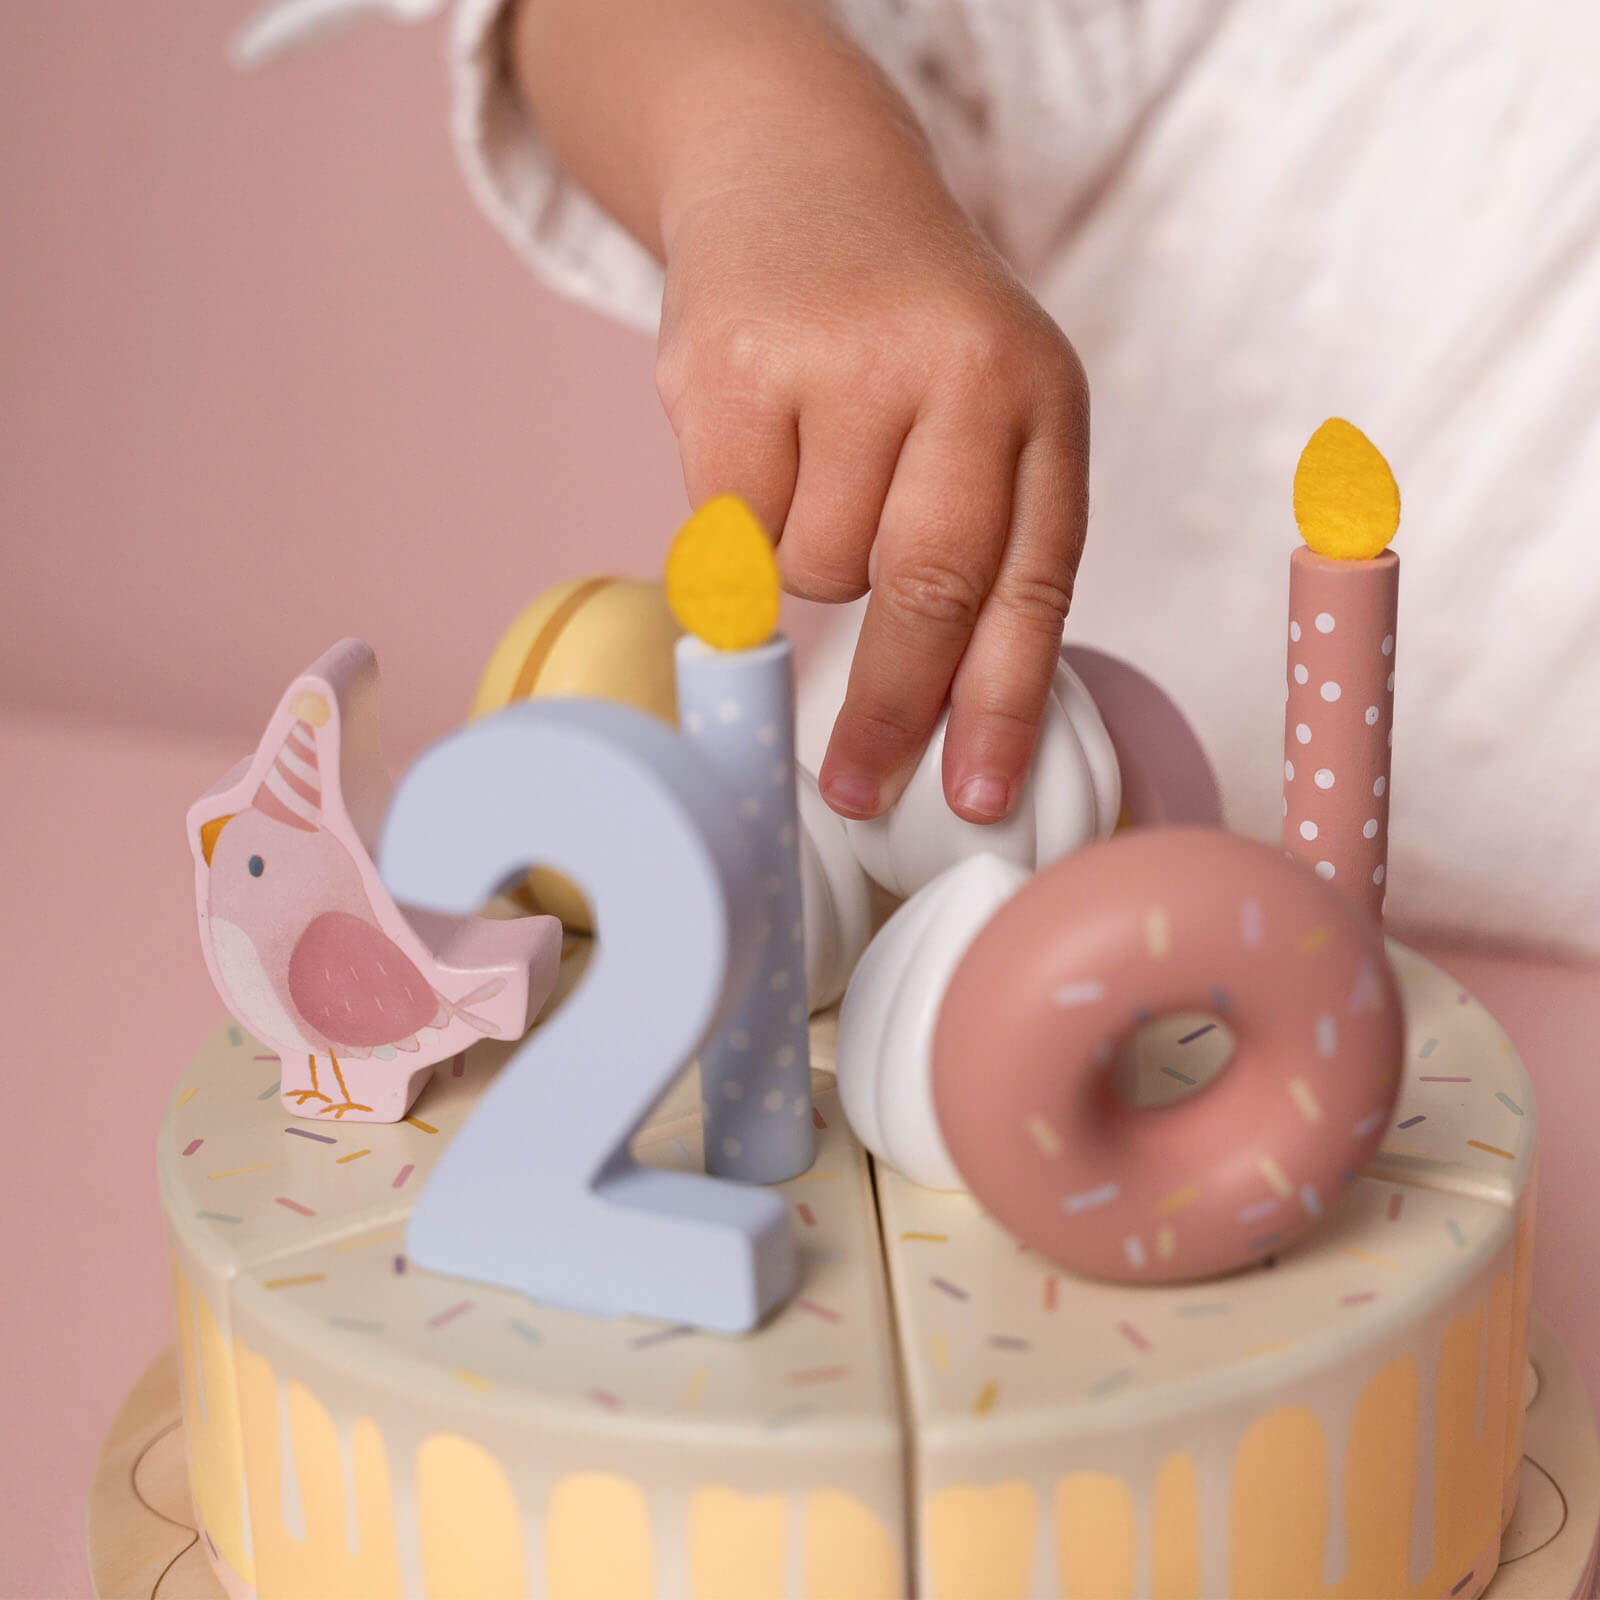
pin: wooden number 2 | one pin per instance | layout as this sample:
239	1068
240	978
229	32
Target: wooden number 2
538	1191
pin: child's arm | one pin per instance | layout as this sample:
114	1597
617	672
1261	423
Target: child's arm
840	347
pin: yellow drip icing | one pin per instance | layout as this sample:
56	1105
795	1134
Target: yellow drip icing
1097	1542
211	1425
1380	1483
597	1540
848	1553
736	1544
979	1542
1278	1517
471	1531
1175	1572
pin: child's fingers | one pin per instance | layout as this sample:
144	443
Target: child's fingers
943	529
749	450
846	465
1001	685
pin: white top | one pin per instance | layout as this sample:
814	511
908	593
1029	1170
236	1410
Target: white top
1249	216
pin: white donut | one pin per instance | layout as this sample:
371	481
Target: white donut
887	1020
1071	797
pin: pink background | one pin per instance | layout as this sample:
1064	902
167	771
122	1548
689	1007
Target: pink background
267	379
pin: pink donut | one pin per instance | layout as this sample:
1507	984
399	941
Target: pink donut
1152	922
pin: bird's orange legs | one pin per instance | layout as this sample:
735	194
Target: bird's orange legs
349	1104
313	1093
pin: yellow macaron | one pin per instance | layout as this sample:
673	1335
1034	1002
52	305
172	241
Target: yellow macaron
597	638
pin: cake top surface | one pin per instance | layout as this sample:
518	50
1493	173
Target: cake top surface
307	1226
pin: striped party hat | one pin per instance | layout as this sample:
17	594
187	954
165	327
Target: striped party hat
291	792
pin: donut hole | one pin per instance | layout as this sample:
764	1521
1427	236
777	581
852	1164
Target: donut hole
1170	1058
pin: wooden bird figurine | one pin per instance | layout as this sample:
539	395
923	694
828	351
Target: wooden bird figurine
306	946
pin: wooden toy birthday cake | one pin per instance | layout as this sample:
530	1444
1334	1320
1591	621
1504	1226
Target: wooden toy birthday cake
1143	1223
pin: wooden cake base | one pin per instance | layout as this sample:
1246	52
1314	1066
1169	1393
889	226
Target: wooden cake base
142	1538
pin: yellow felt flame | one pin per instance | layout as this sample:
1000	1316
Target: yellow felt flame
1345	498
722	579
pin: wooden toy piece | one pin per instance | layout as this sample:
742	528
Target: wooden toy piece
1167	778
538	1191
736	699
594	638
1154	922
1072	796
887	1020
722	578
836	898
1344	590
307	948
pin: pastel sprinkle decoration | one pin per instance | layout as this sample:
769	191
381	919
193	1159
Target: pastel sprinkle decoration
355	1155
1086	993
184	1098
306	1133
1510	1104
1043	1135
193	1145
987	1396
1111	1383
1305	1100
1491	1149
1277	1179
294	1282
1090	1199
293	1205
404	1173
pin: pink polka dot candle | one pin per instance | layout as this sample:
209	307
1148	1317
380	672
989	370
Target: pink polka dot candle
1344	585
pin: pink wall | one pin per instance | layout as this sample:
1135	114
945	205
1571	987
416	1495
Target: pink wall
267	378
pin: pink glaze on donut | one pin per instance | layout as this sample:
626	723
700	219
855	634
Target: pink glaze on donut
1096	945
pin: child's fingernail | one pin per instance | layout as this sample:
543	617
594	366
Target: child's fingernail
985	796
851	792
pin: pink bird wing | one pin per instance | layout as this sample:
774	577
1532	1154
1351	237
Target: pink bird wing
356	986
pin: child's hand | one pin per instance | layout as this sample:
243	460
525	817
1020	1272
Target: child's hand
841	348
851	359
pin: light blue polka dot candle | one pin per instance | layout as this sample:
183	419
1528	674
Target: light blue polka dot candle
737	706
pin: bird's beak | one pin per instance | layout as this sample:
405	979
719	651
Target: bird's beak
210	832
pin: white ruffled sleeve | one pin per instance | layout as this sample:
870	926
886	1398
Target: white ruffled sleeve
549	220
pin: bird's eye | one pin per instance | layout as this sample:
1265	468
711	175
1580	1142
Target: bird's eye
257	866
